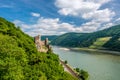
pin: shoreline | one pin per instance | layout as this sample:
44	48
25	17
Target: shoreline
69	69
96	50
90	50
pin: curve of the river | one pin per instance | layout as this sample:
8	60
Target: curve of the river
100	66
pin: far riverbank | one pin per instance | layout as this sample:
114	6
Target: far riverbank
96	50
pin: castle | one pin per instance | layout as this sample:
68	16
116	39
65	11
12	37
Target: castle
42	46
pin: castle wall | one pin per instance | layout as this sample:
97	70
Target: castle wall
42	46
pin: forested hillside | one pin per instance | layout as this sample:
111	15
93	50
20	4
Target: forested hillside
68	39
50	37
88	39
20	60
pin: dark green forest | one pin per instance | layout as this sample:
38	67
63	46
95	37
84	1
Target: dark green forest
88	39
20	60
50	37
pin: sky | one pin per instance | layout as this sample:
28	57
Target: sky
56	17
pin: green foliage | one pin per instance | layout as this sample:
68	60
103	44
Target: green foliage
77	69
51	37
68	40
84	75
99	43
12	59
113	43
91	39
20	60
65	62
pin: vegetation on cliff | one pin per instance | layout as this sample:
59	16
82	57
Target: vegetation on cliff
20	60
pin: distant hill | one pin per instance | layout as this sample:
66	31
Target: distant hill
68	39
50	37
20	60
112	42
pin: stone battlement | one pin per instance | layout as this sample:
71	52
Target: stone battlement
42	46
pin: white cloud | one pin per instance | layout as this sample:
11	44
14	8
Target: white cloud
88	10
21	24
100	1
100	15
90	26
75	7
118	19
35	14
17	22
78	7
49	26
108	25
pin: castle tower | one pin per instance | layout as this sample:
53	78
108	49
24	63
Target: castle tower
37	38
46	41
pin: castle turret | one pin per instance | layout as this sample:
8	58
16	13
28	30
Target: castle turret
37	38
42	46
46	41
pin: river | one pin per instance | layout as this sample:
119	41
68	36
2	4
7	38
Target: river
100	66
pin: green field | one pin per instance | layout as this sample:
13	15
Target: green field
119	39
99	43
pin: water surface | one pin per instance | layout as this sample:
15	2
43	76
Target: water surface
100	66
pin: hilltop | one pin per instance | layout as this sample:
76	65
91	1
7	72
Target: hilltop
107	39
50	37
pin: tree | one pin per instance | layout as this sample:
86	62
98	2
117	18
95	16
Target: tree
84	75
77	69
65	62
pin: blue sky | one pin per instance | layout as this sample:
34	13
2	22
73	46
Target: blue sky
54	17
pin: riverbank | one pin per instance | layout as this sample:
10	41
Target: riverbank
96	50
99	65
70	70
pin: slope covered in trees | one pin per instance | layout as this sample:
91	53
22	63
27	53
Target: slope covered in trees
88	39
68	40
20	60
50	37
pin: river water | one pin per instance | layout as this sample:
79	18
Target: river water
100	66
